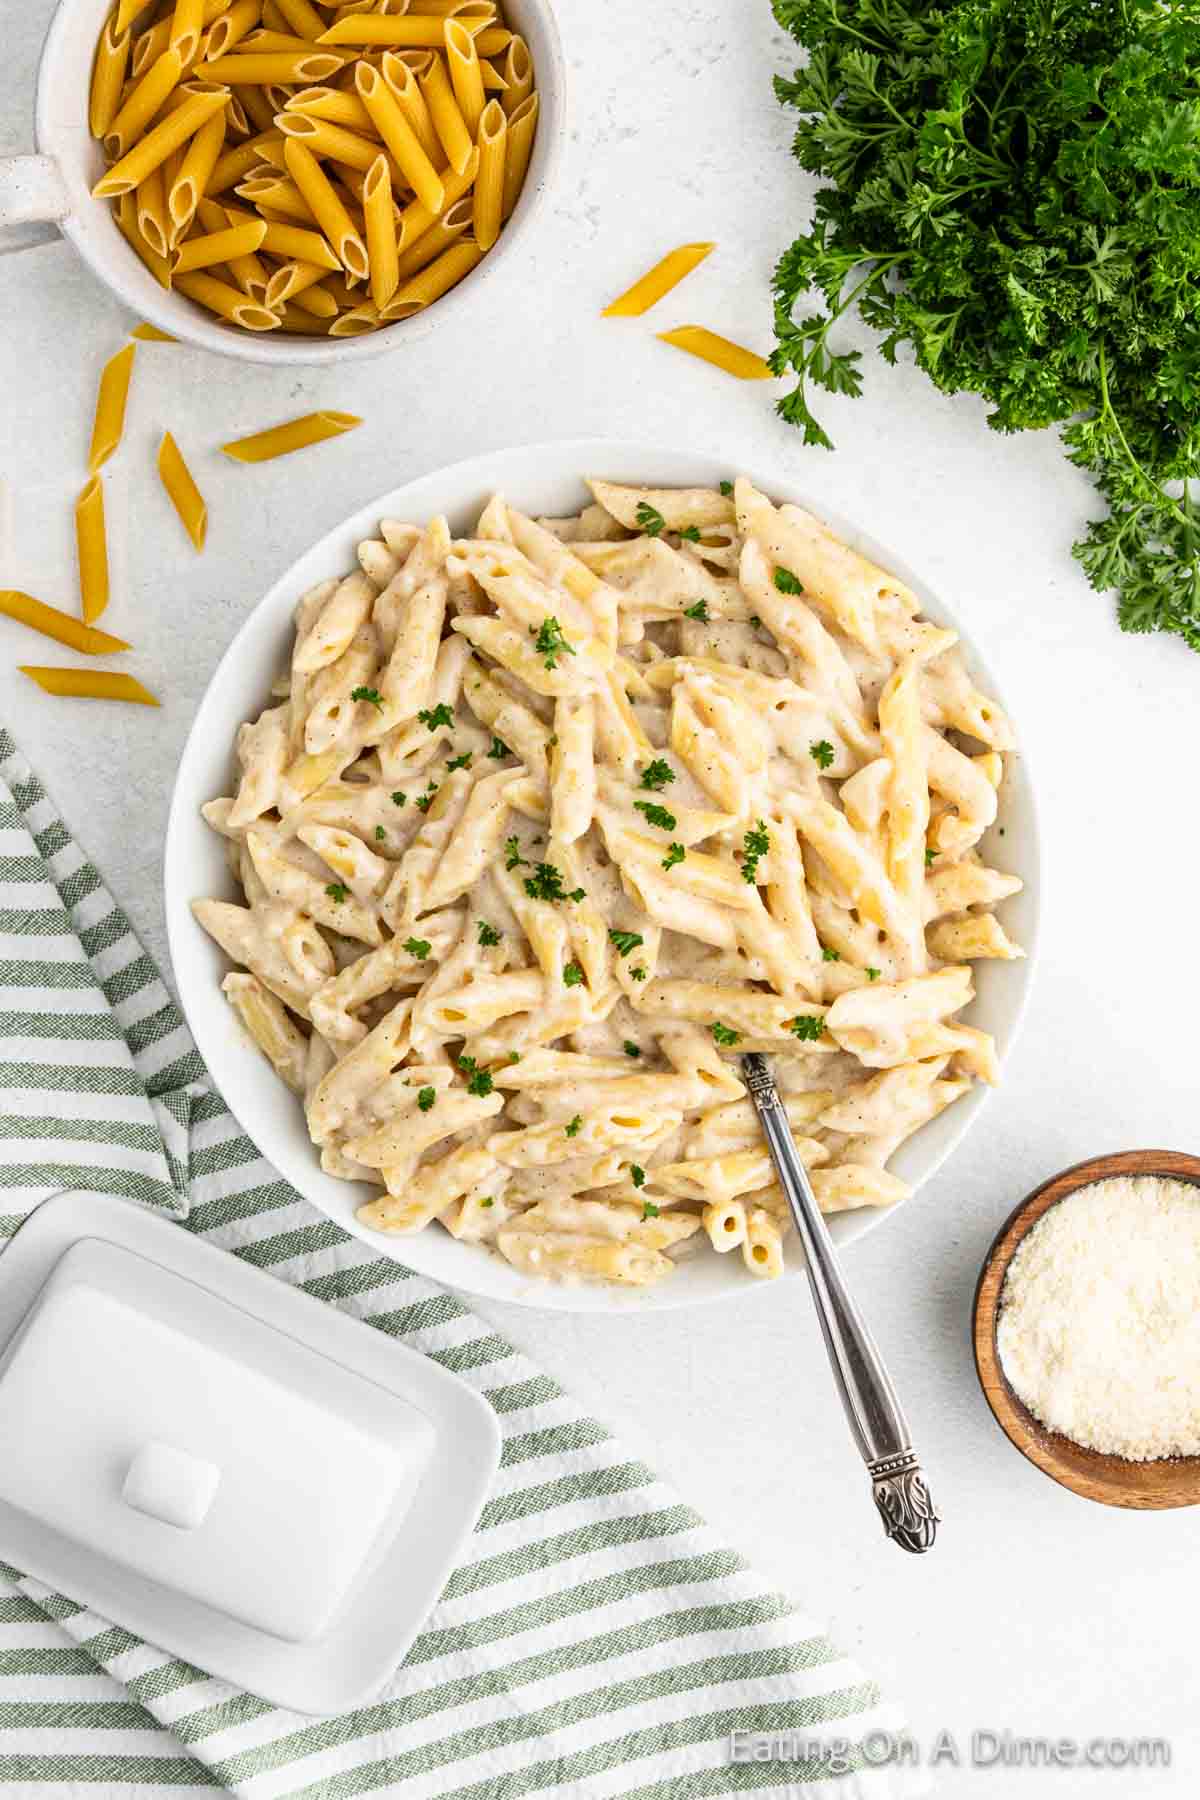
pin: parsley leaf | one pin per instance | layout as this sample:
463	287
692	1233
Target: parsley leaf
656	815
425	800
572	975
828	955
807	1027
632	1049
512	855
724	1034
380	834
755	846
691	534
371	695
787	583
727	489
337	890
675	854
756	621
488	935
699	611
872	974
546	884
399	799
637	1175
649	1210
460	762
650	519
657	774
550	643
426	1098
638	974
929	856
499	750
487	1202
480	1084
418	947
575	1126
821	753
626	941
440	715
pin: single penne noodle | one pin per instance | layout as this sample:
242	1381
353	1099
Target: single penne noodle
316	301
489	183
650	288
296	244
721	352
381	232
522	128
92	550
219	247
431	283
453	133
227	302
126	217
195	172
462	61
416	219
128	11
325	139
302	18
517	70
359	320
65	628
492	40
453	224
330	103
493	80
108	78
231	27
187	22
390	122
402	80
237	119
291	280
152	219
145	100
185	496
295	434
480	12
111	398
89	684
278	199
148	47
159	142
328	210
268	68
392	32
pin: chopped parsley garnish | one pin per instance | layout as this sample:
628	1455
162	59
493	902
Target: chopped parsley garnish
425	800
637	1175
426	1098
649	1210
821	753
371	695
674	855
512	855
755	846
657	774
488	1202
807	1027
488	935
756	621
399	799
632	1049
626	941
727	489
872	974
699	611
575	1126
787	583
691	534
723	1034
650	519
552	741
460	762
418	947
550	643
638	974
480	1084
380	834
929	856
572	975
440	715
499	750
656	815
828	955
546	884
337	890
513	1057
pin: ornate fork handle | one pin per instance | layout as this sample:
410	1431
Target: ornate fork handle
876	1420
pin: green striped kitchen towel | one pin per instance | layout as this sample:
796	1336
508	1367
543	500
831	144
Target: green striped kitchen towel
597	1640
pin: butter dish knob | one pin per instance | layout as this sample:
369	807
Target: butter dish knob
170	1485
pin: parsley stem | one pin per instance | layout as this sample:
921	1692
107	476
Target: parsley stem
1153	492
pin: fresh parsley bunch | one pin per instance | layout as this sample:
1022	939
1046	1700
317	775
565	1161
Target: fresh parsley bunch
1015	193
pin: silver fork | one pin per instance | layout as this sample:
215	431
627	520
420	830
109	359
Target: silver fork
877	1422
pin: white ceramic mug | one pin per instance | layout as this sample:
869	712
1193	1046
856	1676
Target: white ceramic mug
55	185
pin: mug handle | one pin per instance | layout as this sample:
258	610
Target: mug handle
32	192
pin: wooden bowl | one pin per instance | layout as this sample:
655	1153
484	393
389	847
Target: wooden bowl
1172	1481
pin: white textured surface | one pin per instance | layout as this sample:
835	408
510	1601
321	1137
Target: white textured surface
1037	1612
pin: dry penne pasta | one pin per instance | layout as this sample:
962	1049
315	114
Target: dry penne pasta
185	496
522	128
65	628
488	206
721	352
227	302
219	246
573	873
111	398
149	152
89	684
108	78
92	550
650	288
295	434
150	334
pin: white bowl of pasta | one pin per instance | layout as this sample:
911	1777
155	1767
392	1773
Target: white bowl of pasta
670	808
160	238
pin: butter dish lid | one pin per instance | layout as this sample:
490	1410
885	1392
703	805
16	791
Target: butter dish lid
229	1468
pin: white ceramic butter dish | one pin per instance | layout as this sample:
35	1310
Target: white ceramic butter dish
233	1470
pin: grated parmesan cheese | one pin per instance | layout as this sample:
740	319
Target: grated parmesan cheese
1099	1327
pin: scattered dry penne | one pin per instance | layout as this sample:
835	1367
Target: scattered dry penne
110	407
185	495
295	434
360	126
92	549
651	287
721	352
89	684
65	628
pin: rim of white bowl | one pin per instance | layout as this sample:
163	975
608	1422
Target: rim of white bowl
576	456
190	324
